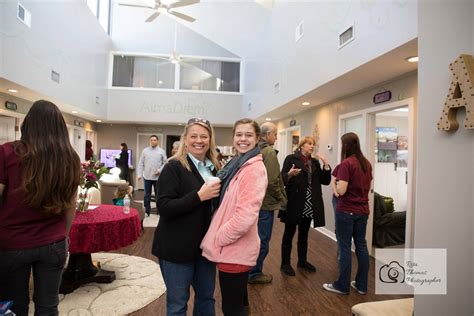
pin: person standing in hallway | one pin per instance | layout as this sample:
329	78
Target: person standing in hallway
232	239
149	168
89	150
303	177
185	205
39	177
354	176
274	200
122	161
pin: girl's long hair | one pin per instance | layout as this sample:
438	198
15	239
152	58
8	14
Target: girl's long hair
50	168
182	153
351	146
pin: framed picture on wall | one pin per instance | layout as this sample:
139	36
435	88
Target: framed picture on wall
387	144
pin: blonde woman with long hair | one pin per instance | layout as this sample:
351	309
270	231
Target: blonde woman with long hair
188	189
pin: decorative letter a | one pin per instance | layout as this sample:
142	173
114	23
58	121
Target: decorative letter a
461	94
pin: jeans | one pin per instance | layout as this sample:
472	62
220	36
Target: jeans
147	197
290	229
234	293
178	277
348	226
265	226
47	263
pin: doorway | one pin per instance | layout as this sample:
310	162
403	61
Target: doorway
287	142
364	123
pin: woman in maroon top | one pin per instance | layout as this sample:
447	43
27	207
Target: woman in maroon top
354	176
39	176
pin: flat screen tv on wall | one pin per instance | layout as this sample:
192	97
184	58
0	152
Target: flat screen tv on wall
107	157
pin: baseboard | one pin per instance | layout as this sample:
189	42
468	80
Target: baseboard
327	232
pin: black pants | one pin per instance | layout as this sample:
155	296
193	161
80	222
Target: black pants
290	229
234	293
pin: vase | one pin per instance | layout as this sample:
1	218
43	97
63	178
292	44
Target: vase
82	201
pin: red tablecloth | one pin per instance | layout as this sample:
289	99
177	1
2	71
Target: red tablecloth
104	228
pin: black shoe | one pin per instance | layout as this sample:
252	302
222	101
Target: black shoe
148	214
307	266
288	270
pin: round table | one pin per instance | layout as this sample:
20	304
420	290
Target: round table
104	228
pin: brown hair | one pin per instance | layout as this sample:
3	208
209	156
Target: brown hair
351	146
247	121
211	154
121	191
50	167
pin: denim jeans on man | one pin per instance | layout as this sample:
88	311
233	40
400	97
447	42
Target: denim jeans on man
47	263
147	198
348	226
265	226
178	277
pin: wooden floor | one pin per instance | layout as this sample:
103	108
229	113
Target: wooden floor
300	295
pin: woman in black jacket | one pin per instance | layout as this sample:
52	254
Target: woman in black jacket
122	162
185	206
303	177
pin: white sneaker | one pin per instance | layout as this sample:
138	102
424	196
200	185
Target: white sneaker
353	285
330	287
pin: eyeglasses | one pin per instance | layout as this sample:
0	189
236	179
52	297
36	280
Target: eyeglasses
198	120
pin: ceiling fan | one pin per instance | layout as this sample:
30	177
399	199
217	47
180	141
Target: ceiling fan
160	7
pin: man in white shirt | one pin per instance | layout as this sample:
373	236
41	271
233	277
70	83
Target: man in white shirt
151	162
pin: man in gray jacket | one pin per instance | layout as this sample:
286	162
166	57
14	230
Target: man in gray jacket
274	200
151	162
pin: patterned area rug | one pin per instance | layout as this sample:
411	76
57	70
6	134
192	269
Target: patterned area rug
151	221
138	283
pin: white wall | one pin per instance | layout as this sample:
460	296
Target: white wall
327	119
444	191
172	107
380	26
2	19
130	33
64	37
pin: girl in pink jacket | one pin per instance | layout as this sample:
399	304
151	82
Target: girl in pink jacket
232	239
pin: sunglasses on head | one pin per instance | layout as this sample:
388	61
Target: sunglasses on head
198	120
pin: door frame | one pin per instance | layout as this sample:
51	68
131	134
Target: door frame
368	120
283	145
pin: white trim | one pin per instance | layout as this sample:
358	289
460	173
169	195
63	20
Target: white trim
141	54
326	232
175	90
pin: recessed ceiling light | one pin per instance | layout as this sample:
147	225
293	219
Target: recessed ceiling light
401	110
98	121
12	90
412	59
268	119
180	124
74	112
306	103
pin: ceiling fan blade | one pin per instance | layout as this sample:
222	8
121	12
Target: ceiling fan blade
182	3
135	5
153	16
182	16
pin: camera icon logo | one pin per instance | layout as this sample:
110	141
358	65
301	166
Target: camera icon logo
393	272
